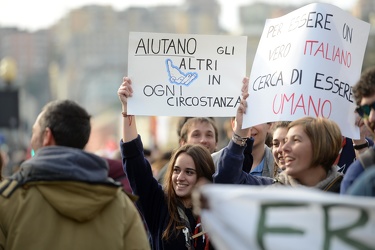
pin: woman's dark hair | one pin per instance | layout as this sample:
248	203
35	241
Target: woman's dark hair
204	167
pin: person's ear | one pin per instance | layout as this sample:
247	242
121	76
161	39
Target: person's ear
48	138
182	142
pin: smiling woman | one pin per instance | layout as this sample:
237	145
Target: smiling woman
310	149
167	210
188	164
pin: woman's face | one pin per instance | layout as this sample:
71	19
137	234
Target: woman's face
297	152
277	143
184	177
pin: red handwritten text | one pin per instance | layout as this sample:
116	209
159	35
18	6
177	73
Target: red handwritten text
294	103
328	52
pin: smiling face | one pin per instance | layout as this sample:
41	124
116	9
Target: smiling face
184	177
297	152
277	143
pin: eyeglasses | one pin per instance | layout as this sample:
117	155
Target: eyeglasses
365	110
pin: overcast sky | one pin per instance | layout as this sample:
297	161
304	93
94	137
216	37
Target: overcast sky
37	14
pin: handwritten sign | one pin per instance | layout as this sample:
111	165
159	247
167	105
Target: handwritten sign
252	217
186	75
306	64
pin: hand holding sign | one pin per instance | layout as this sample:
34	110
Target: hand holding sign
242	110
305	65
187	74
124	92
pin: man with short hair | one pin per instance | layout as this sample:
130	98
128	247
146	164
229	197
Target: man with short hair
62	197
195	130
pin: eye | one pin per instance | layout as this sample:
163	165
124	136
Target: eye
195	135
176	170
190	172
276	144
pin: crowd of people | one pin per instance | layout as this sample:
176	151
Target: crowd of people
67	198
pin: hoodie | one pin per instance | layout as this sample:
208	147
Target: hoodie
62	199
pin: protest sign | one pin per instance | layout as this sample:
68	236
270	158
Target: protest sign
186	75
254	217
306	64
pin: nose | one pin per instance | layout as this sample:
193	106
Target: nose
279	149
181	176
285	146
203	139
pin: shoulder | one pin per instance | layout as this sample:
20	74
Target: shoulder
354	169
216	155
268	151
367	158
335	184
7	187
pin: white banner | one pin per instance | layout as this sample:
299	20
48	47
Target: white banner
253	217
186	75
306	64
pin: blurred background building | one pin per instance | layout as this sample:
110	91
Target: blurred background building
83	57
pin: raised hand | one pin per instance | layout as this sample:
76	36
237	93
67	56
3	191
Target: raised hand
124	92
242	110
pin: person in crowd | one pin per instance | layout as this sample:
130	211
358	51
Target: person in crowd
248	156
161	162
62	198
116	172
310	150
351	148
168	209
279	131
256	152
195	130
364	95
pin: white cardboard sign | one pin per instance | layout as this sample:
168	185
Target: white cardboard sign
254	217
186	75
306	64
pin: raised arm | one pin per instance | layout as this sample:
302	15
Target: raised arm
230	162
129	127
135	165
